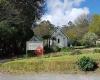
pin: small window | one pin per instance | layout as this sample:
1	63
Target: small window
58	40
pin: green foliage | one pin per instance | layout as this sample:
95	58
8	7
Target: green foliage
66	49
47	49
75	31
6	31
7	37
87	64
56	48
76	52
89	39
16	20
95	25
96	50
51	49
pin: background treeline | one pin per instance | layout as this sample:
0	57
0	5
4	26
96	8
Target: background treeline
83	32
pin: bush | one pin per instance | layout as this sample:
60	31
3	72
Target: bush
55	49
96	50
47	49
66	49
51	49
76	52
87	64
89	39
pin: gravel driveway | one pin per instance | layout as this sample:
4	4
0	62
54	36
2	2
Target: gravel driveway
49	77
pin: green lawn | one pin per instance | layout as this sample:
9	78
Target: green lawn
63	64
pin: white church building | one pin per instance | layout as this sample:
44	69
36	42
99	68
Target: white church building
59	38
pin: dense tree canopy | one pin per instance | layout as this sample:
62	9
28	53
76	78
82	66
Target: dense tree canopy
95	25
16	19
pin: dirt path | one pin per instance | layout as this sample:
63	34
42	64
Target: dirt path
49	77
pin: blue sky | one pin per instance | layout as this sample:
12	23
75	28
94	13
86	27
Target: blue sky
60	12
93	5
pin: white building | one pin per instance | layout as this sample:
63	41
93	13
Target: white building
59	39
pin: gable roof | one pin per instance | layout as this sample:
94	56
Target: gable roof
36	38
56	29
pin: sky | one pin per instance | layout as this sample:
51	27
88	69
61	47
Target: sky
60	12
93	5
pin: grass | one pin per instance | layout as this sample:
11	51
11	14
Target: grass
62	64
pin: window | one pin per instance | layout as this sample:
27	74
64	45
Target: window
58	40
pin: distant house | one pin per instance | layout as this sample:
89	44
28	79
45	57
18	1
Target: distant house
34	43
58	38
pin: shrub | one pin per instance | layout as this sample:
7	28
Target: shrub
76	52
66	49
29	54
47	49
55	48
89	39
96	50
51	49
87	64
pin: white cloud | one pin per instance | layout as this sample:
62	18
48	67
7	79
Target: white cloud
60	12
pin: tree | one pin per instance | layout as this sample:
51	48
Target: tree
82	21
7	38
95	25
28	10
19	15
89	39
76	30
44	30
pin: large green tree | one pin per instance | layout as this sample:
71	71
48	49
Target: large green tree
7	39
95	25
16	19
